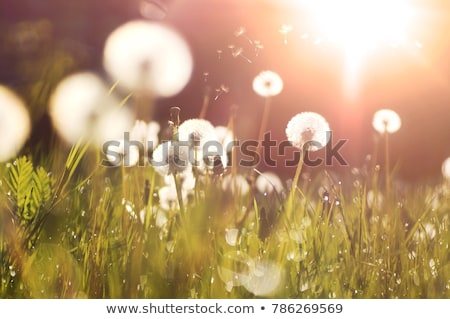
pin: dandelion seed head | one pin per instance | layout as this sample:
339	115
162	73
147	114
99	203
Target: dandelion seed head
130	158
386	121
81	107
267	84
15	124
308	130
231	236
148	56
199	129
145	132
170	157
168	198
446	168
239	185
269	182
374	199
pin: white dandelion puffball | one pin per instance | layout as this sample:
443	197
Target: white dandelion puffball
146	133
170	157
386	120
15	124
148	56
267	83
308	130
81	107
130	155
197	130
446	168
269	182
239	185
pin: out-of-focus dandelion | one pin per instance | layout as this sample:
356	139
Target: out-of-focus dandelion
82	108
15	124
149	57
386	121
231	236
308	131
284	30
264	280
235	269
129	155
170	158
269	182
267	84
374	199
153	9
446	168
146	133
197	131
238	185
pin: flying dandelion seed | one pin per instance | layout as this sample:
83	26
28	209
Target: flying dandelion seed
267	84
148	56
15	124
284	30
446	168
81	107
153	9
241	32
308	130
269	182
386	121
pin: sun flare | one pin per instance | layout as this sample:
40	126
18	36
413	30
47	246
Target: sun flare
359	26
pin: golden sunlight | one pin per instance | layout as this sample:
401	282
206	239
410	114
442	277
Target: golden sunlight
358	26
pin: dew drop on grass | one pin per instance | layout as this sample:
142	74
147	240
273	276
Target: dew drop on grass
12	273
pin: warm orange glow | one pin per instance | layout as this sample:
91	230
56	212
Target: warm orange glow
359	26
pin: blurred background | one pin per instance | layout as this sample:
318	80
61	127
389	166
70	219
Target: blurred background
231	42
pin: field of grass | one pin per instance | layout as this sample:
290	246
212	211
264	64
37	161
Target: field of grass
71	228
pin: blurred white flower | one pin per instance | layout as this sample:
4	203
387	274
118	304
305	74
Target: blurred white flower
145	133
187	180
148	56
224	136
81	107
269	182
168	198
15	124
264	280
199	130
308	130
170	157
128	156
446	168
386	120
374	199
267	83
231	236
236	186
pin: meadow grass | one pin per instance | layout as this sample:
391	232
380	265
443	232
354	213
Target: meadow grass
71	228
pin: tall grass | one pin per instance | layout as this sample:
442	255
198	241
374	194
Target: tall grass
101	232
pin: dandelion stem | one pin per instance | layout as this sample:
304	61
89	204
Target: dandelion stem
290	202
387	166
264	121
177	180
